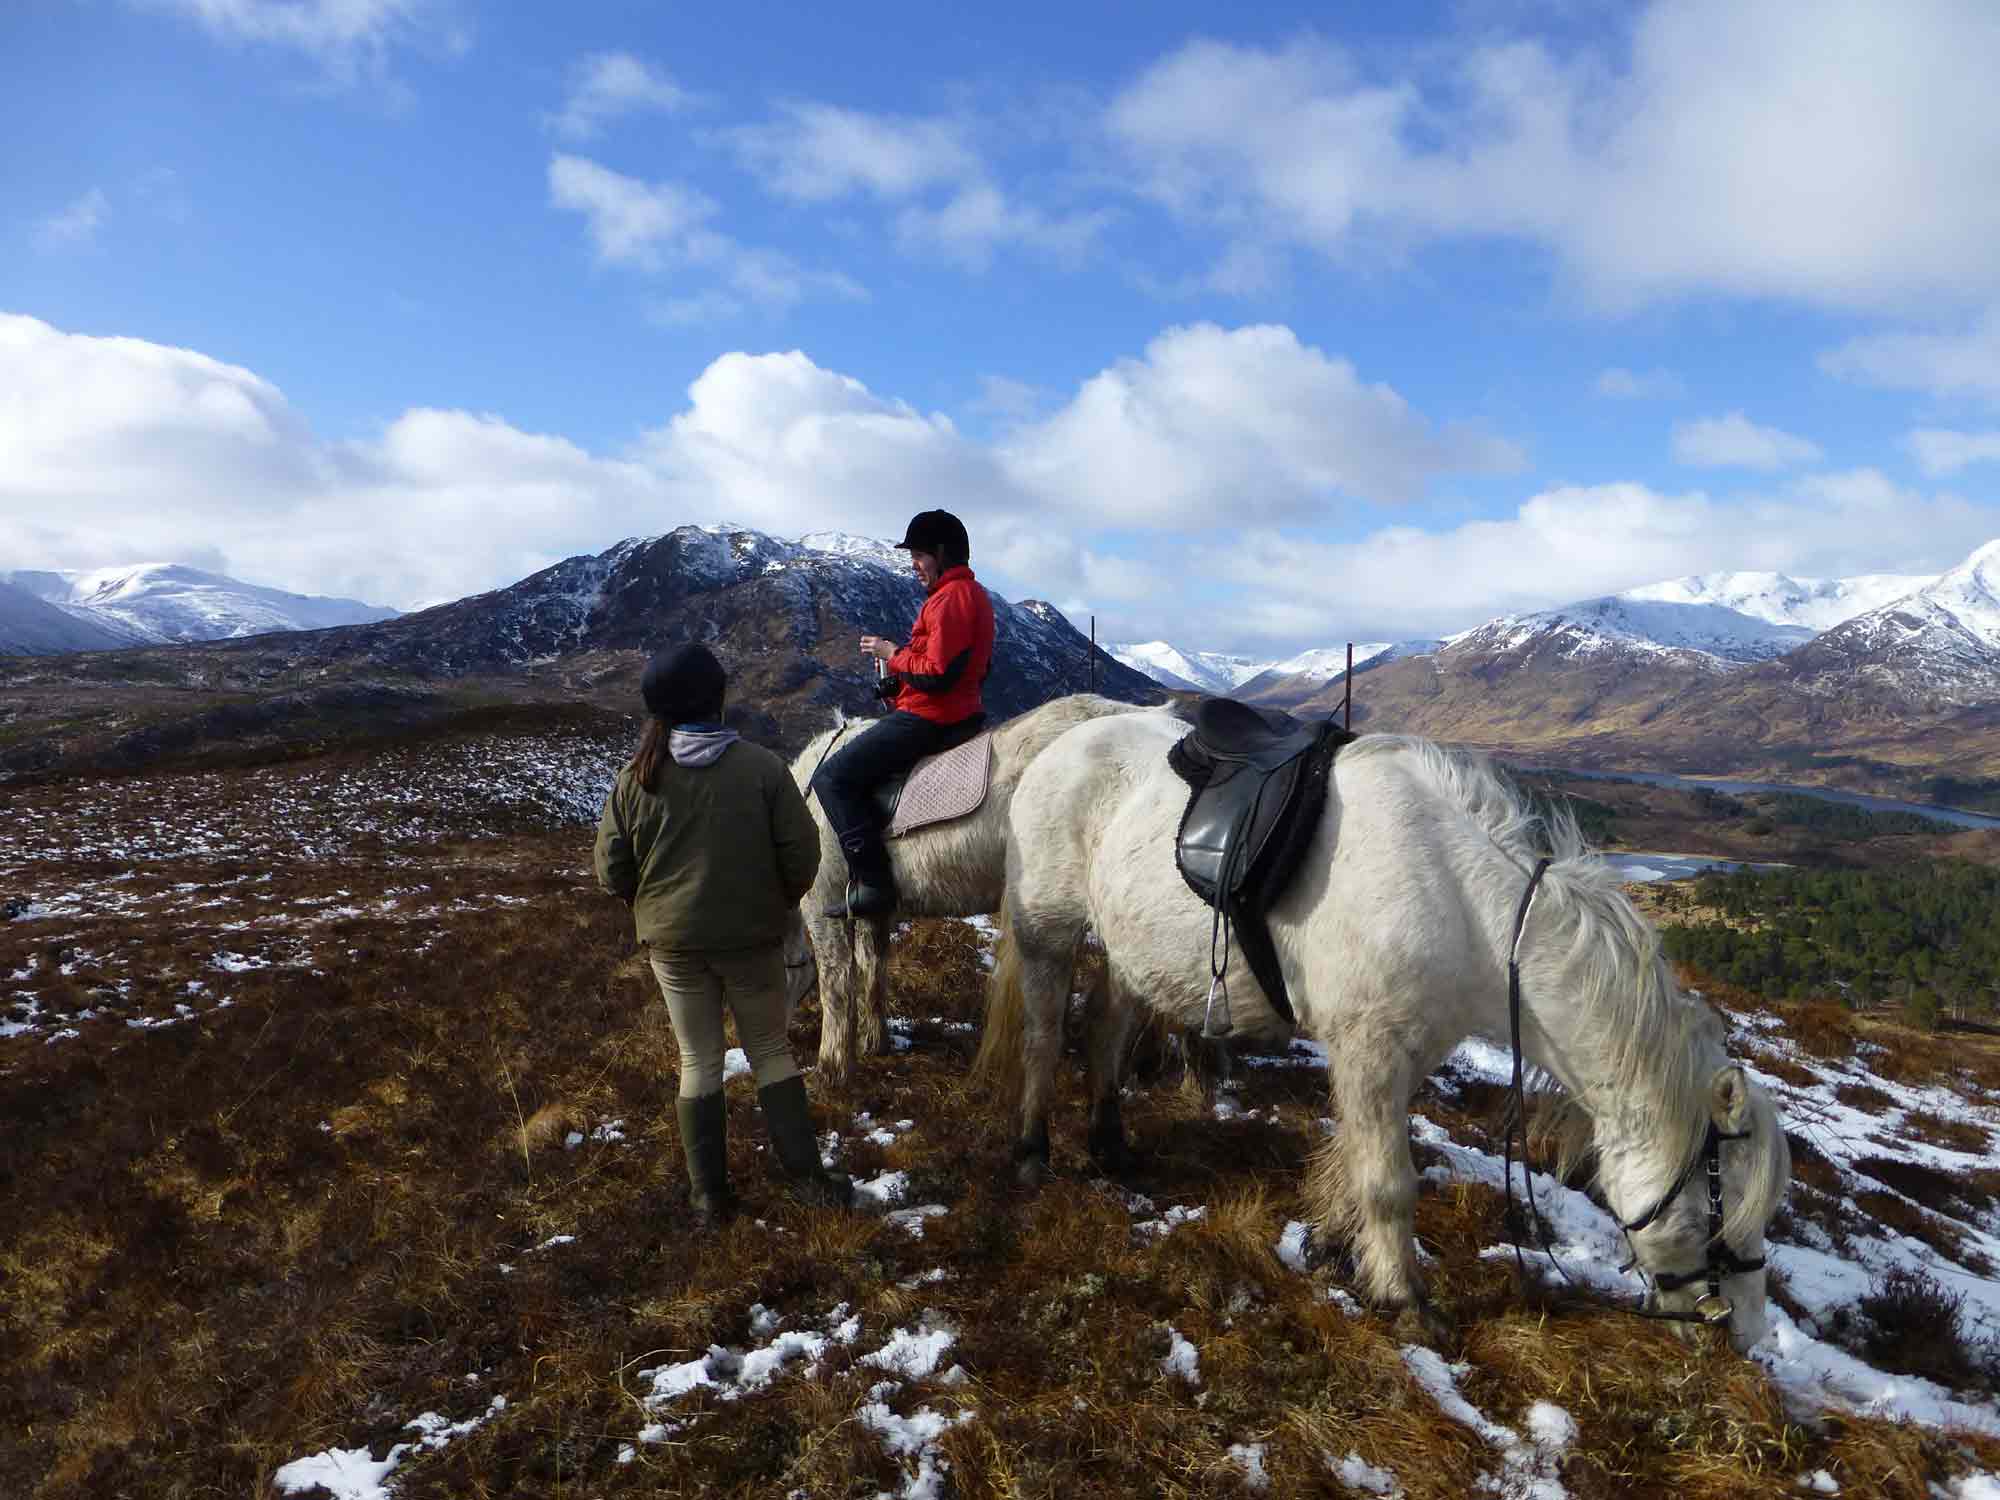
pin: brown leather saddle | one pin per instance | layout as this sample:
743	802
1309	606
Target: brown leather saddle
1257	783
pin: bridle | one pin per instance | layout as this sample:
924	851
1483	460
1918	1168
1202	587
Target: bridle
1711	1308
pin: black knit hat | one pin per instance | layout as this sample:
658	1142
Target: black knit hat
683	685
939	533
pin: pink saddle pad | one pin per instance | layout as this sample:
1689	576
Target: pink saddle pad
943	787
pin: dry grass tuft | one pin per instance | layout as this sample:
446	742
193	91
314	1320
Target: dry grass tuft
350	1197
1822	1028
1957	1134
1916	1329
549	1125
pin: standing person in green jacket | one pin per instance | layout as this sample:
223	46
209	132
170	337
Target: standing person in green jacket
706	837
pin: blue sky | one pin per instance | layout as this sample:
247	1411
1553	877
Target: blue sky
1256	329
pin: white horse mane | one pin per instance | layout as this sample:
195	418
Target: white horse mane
1657	1043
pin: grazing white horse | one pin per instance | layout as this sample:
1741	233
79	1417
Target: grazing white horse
954	869
1394	939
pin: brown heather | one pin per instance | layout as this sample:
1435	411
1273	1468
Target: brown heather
280	1228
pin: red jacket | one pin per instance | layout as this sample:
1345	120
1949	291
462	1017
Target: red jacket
951	647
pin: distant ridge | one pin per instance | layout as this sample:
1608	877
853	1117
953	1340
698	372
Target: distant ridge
786	617
1880	682
31	626
169	602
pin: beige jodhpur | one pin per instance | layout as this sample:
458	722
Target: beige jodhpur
751	983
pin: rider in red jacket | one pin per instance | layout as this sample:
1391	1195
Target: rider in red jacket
937	680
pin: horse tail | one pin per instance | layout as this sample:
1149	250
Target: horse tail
998	1062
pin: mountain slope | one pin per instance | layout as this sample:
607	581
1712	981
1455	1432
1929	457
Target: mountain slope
31	626
1188	671
1938	646
785	617
1310	676
1815	604
1882	701
166	602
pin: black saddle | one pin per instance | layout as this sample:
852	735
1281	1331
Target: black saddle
1257	783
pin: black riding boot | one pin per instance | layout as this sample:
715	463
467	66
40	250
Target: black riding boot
705	1141
789	1121
871	887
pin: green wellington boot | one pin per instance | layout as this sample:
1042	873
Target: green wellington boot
789	1121
705	1141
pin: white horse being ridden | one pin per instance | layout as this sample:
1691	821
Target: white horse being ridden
1394	938
954	869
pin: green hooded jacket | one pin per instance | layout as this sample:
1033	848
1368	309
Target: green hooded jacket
716	859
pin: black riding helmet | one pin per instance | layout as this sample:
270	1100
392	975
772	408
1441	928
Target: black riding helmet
941	534
684	685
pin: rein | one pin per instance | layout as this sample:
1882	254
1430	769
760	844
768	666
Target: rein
1712	1307
844	725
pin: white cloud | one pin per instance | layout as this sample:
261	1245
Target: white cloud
980	218
631	222
1841	154
949	203
1008	399
112	449
1620	384
1943	364
116	448
1573	543
1942	452
75	225
349	39
814	153
657	226
1736	442
1245	426
607	85
772	279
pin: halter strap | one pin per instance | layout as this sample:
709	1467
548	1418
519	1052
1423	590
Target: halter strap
1517	1086
1710	1309
1721	1259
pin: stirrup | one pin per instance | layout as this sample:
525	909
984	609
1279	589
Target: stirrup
852	907
1216	1023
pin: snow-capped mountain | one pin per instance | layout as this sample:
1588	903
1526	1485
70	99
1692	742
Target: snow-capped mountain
786	617
153	603
1814	603
1296	679
1188	671
1698	675
1731	619
31	626
1617	625
1940	643
1291	679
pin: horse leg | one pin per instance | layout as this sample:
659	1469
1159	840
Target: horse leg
871	989
835	949
1043	974
1373	1078
1109	1013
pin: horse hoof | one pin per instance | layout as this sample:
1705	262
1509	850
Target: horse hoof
1319	1250
1420	1322
1118	1160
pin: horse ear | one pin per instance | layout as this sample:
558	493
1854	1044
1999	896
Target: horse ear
1729	1099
